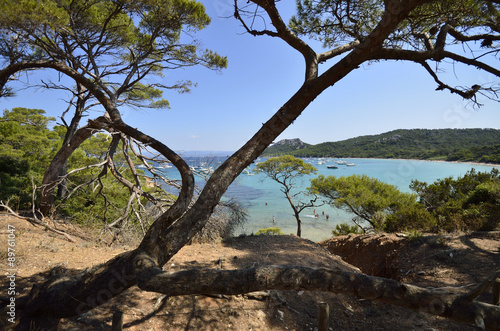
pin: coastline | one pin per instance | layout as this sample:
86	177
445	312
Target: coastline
495	165
473	163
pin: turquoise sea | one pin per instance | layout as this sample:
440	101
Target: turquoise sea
263	199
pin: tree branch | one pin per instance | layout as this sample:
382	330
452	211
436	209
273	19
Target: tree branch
279	277
338	51
469	94
124	181
38	222
282	31
421	57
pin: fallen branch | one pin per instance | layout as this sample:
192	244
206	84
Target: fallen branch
37	222
482	287
433	301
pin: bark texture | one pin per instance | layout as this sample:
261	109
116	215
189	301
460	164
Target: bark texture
53	173
436	302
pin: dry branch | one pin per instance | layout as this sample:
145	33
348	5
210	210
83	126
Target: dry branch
37	222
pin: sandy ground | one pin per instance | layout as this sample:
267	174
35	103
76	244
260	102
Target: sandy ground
450	261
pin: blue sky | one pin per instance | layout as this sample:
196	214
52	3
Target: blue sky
227	108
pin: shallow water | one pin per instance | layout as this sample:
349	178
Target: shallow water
263	199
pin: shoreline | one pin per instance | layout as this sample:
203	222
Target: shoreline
474	163
495	165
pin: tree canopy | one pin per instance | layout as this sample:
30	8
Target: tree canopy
372	201
26	147
285	170
467	203
112	48
470	202
116	53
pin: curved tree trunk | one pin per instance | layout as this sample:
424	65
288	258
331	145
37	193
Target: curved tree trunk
172	230
296	213
70	132
168	234
58	163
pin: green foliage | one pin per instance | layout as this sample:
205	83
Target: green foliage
371	200
26	148
413	216
445	144
135	38
285	169
15	181
484	154
33	11
468	203
111	47
102	202
95	205
335	23
272	231
415	235
105	198
344	229
317	19
142	93
33	118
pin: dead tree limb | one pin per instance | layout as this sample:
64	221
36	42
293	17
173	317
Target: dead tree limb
37	222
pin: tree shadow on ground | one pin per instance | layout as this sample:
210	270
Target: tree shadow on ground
96	319
454	262
299	310
278	310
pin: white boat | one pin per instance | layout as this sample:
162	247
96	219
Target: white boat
248	172
164	166
207	170
350	164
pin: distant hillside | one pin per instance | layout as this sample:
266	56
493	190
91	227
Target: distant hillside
481	145
287	146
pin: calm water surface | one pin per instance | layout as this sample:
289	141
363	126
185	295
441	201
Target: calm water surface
263	199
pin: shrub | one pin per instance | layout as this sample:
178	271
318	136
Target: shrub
415	235
412	217
273	231
343	229
228	216
468	203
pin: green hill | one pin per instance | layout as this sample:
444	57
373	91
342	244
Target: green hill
288	146
481	145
